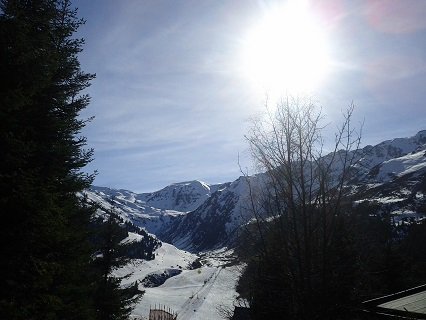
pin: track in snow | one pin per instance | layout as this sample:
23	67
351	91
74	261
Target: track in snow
190	307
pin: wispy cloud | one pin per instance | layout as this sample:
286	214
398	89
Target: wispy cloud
395	16
170	100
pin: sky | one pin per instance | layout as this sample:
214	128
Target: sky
178	81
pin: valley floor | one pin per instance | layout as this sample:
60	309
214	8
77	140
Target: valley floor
194	294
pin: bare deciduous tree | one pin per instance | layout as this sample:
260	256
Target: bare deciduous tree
298	218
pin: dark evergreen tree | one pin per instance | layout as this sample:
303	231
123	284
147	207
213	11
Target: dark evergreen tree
44	228
112	301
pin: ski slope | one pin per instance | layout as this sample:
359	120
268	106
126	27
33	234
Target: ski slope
193	294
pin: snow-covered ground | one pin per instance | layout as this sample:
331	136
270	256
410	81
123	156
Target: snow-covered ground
398	167
193	294
125	204
389	174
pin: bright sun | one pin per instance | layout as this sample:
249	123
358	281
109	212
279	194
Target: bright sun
286	52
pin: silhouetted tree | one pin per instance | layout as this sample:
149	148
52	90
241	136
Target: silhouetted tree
44	228
302	265
112	301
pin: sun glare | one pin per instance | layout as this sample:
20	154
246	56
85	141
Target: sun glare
286	52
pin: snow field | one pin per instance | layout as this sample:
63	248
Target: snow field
193	294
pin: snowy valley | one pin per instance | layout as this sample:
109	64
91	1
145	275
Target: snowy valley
198	223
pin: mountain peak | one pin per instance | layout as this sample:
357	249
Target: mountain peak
194	183
421	136
182	196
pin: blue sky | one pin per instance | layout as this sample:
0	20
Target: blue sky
171	102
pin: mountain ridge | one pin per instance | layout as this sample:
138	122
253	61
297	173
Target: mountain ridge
197	216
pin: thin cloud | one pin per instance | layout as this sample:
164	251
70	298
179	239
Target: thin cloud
393	67
396	16
170	100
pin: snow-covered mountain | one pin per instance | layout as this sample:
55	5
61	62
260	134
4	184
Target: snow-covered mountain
212	223
184	196
126	204
217	214
373	159
196	216
193	286
153	211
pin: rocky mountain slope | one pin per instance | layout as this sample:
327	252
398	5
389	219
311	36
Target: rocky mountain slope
197	216
184	196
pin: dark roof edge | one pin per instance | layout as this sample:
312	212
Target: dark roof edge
394	296
394	313
372	306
